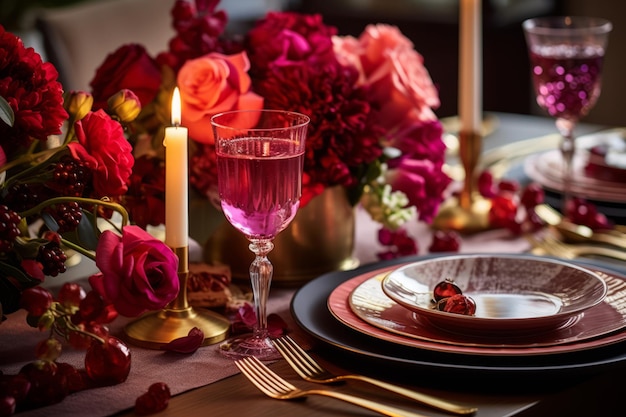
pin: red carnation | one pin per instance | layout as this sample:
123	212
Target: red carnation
31	88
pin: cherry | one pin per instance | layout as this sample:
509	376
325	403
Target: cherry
48	386
156	399
74	378
445	289
532	195
506	185
445	241
7	405
503	212
70	295
48	349
36	300
458	304
108	363
14	386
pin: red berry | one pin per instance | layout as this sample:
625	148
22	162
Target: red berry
458	304
47	385
503	211
48	349
36	300
74	378
108	363
156	399
71	294
532	196
445	289
506	185
15	386
7	406
445	241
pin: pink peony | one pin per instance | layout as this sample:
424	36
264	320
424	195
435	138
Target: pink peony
393	71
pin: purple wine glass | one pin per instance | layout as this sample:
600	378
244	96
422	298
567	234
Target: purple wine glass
566	57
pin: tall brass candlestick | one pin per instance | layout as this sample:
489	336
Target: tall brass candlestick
156	329
469	212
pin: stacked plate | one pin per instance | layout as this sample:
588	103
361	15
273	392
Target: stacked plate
535	315
598	171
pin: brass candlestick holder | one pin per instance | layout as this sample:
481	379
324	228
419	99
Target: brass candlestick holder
156	329
469	212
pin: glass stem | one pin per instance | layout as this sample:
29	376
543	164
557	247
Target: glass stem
568	149
261	271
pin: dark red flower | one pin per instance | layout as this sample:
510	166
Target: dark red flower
145	198
399	244
31	88
102	144
129	67
198	29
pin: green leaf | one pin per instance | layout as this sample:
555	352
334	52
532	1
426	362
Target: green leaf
6	112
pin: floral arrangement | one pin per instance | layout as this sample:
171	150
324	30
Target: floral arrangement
64	170
370	99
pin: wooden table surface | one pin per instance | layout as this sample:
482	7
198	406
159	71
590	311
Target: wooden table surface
236	396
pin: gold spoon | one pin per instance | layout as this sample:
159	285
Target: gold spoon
577	232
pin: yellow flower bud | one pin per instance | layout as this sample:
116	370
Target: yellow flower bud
125	105
78	104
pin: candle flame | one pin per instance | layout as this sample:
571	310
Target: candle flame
176	107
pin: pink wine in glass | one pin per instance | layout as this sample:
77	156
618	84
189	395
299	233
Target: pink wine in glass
260	184
567	78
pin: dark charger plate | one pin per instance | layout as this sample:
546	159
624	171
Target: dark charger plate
310	310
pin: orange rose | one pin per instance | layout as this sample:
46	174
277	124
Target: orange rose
213	84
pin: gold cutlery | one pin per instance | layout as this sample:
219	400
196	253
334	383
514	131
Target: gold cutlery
577	232
312	371
275	387
555	247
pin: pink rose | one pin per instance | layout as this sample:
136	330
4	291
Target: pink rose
102	144
139	273
213	84
393	70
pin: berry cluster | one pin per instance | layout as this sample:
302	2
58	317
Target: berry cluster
9	228
448	297
79	319
70	177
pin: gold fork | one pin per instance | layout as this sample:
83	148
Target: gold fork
275	387
312	371
557	248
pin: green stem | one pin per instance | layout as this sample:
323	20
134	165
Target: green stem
81	200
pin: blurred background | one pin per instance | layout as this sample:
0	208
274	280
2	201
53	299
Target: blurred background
76	35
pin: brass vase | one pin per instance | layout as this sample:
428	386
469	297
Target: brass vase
320	239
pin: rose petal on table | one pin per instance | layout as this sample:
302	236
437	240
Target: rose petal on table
186	344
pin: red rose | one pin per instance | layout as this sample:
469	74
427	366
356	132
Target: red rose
102	144
129	67
139	272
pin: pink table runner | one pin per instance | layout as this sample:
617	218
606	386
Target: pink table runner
205	366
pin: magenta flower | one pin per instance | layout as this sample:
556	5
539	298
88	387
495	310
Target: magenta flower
139	272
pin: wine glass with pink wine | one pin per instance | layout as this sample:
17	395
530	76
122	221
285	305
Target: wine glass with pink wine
566	57
260	157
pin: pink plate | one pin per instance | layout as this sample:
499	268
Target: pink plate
360	304
514	295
